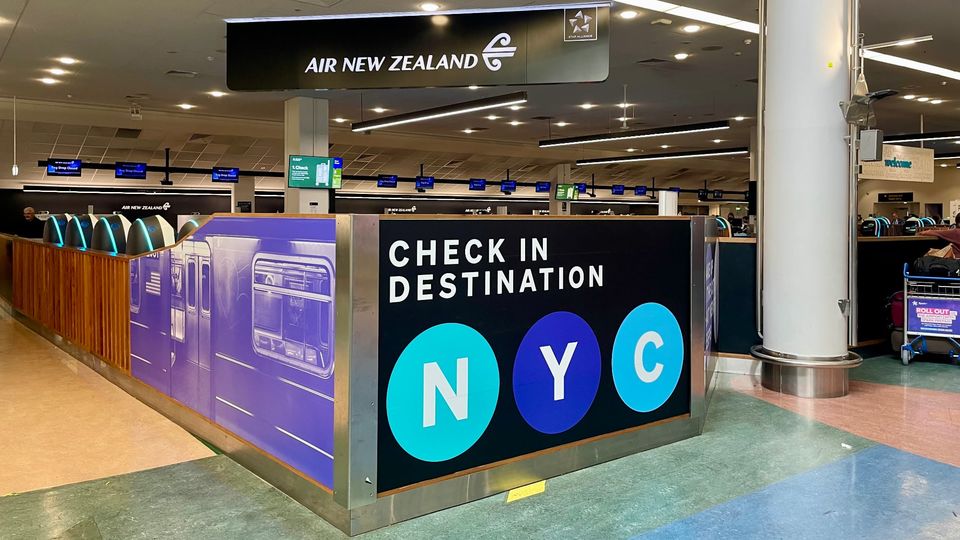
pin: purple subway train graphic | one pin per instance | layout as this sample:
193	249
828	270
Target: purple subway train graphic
237	323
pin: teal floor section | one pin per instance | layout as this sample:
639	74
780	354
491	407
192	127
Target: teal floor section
747	445
887	369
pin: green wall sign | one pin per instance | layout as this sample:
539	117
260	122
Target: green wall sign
312	172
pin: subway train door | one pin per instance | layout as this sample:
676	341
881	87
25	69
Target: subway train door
202	251
184	369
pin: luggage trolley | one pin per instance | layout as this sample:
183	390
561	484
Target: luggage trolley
931	306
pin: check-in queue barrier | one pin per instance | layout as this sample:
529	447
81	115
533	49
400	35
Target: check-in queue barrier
380	368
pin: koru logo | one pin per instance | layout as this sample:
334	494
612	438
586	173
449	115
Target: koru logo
499	47
647	357
580	24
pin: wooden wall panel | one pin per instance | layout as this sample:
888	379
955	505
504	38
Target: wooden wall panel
82	295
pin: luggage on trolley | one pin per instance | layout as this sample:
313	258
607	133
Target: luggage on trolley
931	314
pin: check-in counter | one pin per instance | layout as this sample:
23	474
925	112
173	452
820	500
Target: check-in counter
879	274
380	368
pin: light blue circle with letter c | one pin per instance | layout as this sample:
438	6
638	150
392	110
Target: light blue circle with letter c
647	357
442	392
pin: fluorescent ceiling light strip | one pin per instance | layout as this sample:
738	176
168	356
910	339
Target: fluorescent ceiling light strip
923	139
911	64
898	43
642	134
947	156
442	112
694	14
417	13
688	155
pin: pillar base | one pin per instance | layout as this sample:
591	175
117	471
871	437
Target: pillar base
805	376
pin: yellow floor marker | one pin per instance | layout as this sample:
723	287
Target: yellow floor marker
528	490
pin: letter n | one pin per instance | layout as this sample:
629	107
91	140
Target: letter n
434	381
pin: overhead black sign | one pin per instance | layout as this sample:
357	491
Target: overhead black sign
499	338
906	196
516	47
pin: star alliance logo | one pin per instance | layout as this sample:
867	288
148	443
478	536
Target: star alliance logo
580	24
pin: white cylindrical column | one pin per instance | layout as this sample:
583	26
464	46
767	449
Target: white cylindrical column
805	178
668	203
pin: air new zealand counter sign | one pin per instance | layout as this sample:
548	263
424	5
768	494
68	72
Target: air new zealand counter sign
531	46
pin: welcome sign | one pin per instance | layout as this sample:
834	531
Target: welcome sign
900	163
500	338
535	45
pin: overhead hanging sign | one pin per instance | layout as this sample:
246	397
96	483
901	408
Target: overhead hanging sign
901	164
534	45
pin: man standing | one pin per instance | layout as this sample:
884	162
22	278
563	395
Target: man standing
29	226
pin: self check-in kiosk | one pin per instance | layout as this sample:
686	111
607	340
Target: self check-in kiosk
55	228
110	234
80	231
148	234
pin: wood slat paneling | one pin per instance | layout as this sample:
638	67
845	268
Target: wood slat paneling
82	295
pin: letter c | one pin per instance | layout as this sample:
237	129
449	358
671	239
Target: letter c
646	339
398	263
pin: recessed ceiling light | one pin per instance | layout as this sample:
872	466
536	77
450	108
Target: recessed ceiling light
430	6
516	107
631	149
923	99
48	80
624	105
739	118
468	131
339	120
473	87
216	93
664	146
587	106
936	101
681	56
944	165
628	14
692	28
623	119
492	117
909	96
378	110
57	71
562	124
956	142
515	123
67	61
186	106
718	141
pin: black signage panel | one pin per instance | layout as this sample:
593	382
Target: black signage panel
513	47
906	196
499	338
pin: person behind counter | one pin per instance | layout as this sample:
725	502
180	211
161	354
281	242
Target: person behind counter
29	226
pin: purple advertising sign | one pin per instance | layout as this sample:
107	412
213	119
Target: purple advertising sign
933	316
237	323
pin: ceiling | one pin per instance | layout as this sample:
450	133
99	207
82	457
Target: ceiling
126	47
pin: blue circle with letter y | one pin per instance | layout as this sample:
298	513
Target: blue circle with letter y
442	392
647	357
